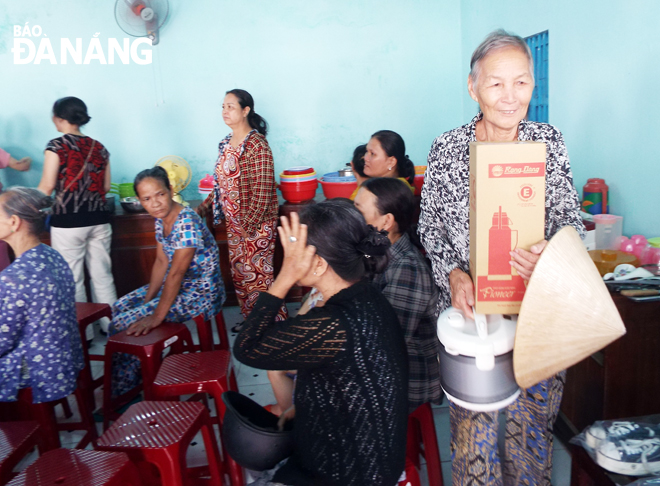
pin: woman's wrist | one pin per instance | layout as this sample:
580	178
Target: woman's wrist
281	286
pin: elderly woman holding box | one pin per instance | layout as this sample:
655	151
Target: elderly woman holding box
501	80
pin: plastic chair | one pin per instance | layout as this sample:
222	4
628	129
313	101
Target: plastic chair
159	433
206	372
44	415
149	350
79	468
412	476
17	439
206	334
423	441
88	313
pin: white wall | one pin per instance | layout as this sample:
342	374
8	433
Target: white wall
325	75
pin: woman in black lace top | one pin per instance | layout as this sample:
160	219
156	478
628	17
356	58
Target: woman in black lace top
351	391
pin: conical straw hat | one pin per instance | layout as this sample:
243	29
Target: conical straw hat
567	313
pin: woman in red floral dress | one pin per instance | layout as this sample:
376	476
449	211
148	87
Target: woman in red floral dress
244	191
77	167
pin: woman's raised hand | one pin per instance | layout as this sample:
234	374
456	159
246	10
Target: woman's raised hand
298	255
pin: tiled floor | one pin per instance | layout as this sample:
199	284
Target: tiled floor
254	383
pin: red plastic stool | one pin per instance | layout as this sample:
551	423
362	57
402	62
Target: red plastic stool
79	468
423	441
17	439
149	350
88	313
159	433
412	476
206	334
44	415
206	372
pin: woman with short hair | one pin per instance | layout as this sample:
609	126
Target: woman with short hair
40	346
501	80
351	387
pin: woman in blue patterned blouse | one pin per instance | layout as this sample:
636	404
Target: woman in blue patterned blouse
40	346
185	279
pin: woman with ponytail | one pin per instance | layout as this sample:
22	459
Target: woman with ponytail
408	284
386	157
351	390
244	195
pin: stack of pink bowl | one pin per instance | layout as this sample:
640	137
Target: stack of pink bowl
420	171
298	184
206	185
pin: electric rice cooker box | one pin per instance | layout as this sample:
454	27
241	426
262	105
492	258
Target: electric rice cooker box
507	211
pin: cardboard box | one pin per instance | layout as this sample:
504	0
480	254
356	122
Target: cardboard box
507	211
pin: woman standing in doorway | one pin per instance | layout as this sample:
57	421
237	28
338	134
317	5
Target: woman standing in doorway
244	190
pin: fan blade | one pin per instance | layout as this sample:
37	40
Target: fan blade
165	164
136	6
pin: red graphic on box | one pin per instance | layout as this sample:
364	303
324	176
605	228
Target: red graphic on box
534	169
526	192
500	244
501	290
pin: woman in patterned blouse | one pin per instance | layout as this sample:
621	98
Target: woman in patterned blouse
244	194
501	80
185	280
407	282
40	346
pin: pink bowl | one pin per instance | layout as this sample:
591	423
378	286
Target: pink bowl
302	178
300	185
298	170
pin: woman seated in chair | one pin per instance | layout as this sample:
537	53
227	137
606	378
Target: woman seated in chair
185	280
408	284
40	346
352	381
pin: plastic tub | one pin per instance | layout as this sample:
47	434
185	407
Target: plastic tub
418	183
338	189
335	177
608	231
297	192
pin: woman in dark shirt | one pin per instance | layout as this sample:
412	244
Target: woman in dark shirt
77	167
351	391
